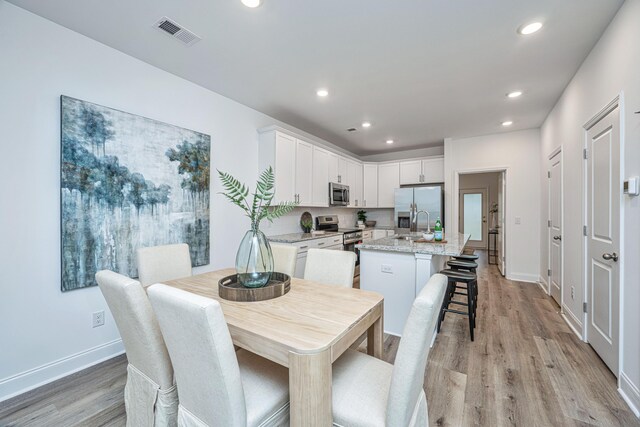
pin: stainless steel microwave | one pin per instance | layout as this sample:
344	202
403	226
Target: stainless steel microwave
338	194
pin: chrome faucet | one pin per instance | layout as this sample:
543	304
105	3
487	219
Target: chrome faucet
414	225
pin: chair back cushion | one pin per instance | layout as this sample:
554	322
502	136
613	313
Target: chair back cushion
284	258
205	363
411	359
158	264
330	267
138	326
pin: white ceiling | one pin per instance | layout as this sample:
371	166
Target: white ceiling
419	70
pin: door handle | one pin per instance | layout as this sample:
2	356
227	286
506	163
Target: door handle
613	256
557	237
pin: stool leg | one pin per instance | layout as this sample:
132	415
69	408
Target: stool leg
472	317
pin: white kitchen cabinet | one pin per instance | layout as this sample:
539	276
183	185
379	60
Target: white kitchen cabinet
422	171
378	234
304	173
320	181
433	170
331	242
370	185
388	181
410	172
367	235
282	153
354	181
338	168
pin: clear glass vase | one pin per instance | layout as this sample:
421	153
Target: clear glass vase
254	260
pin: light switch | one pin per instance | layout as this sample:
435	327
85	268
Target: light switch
518	220
386	268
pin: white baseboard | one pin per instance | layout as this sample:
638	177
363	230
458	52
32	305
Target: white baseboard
574	323
523	277
44	374
543	285
630	393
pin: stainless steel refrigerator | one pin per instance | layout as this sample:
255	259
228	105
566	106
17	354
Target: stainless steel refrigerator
409	201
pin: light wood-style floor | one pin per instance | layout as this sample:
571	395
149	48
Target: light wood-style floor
525	368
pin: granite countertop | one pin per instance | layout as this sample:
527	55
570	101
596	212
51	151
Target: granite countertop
300	237
453	247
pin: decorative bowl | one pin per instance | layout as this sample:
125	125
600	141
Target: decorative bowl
370	223
428	236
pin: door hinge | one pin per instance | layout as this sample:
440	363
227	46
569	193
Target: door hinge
548	223
585	153
548	174
584	230
549	272
584	307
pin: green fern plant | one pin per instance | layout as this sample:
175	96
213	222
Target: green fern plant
260	207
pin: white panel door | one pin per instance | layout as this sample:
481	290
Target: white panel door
473	216
502	191
285	168
343	170
370	186
388	181
433	170
604	188
554	175
410	172
304	173
320	184
334	168
355	184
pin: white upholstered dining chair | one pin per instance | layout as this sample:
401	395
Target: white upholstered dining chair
330	267
150	395
161	263
370	392
284	258
217	386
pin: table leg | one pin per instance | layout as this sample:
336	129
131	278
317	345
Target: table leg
375	339
310	389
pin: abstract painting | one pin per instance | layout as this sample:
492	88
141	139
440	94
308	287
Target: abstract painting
128	182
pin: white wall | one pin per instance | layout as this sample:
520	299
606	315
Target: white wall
518	154
45	333
612	68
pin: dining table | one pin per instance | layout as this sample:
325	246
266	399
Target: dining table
305	330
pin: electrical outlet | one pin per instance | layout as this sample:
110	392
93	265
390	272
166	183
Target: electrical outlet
518	220
98	319
386	268
573	292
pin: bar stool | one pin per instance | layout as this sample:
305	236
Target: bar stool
454	277
466	266
467	257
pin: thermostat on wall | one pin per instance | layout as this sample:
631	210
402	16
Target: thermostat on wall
631	186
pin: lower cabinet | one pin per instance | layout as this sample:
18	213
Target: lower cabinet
331	242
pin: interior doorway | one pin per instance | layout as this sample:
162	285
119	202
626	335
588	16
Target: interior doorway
554	225
481	213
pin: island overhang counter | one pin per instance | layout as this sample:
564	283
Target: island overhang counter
398	267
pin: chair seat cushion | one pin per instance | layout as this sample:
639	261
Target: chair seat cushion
458	274
266	389
462	264
360	390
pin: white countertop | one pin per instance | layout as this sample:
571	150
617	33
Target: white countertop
453	247
301	237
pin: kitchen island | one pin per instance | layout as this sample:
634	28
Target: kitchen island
399	266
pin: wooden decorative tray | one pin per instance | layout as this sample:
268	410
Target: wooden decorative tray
230	289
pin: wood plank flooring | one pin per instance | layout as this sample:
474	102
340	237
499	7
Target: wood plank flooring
525	368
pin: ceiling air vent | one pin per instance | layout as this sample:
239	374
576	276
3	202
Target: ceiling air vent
351	130
177	31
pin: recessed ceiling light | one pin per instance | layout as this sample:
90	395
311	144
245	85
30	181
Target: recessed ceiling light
514	94
366	125
322	92
251	3
389	141
531	28
507	123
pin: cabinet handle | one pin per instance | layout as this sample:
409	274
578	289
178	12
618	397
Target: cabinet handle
339	179
321	243
304	247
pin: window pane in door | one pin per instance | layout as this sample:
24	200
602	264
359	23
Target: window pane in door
473	215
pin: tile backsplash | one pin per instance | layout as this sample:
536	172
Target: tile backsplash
346	216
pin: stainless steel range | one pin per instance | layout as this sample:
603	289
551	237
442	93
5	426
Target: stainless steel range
350	236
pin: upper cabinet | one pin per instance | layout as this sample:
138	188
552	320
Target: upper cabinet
304	173
354	181
425	171
338	168
388	181
370	185
280	151
320	193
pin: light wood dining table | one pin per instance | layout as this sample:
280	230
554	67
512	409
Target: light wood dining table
305	330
